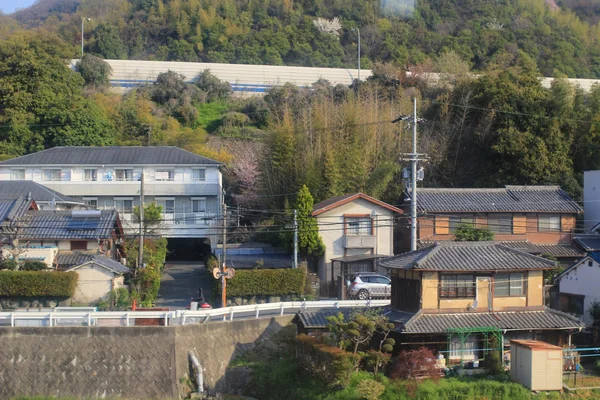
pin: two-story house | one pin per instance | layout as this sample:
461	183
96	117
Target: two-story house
454	295
46	199
186	185
357	230
536	219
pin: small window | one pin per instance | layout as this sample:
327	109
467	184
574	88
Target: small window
168	206
457	286
358	226
124	174
79	245
91	202
548	223
463	349
199	174
51	175
509	285
455	221
124	206
500	223
199	205
17	174
164	175
590	263
90	175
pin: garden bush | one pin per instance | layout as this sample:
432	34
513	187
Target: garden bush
266	282
37	284
8	265
327	363
34	266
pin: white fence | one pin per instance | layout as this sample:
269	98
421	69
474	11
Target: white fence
74	317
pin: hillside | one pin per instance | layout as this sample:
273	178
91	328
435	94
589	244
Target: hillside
282	32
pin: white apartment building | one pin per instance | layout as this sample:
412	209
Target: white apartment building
186	185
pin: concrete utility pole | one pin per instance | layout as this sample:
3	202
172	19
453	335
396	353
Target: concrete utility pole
223	265
358	33
82	22
141	254
295	238
413	197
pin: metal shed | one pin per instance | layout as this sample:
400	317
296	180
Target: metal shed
536	365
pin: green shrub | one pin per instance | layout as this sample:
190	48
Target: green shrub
148	282
9	265
597	366
266	282
37	284
211	262
34	266
327	363
119	299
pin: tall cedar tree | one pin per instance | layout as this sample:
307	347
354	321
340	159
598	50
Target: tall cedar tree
310	243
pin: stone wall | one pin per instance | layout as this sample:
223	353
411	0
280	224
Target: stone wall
12	303
127	362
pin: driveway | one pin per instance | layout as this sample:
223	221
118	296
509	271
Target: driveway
180	283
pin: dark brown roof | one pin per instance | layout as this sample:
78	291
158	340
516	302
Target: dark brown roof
467	257
337	201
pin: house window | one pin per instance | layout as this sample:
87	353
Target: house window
548	223
164	175
465	351
358	226
91	202
457	286
51	175
509	285
79	245
17	174
590	263
168	205
124	174
199	174
90	175
455	221
500	223
199	205
124	206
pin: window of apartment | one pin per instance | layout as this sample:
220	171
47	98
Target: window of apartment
168	205
123	174
457	286
198	174
164	175
17	174
456	220
79	245
198	205
500	223
51	174
548	222
509	285
90	175
465	351
358	225
124	206
91	202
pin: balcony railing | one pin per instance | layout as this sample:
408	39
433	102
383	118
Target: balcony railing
360	241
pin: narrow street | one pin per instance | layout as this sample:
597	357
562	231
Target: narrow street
180	283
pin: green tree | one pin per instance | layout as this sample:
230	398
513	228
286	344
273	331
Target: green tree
310	243
468	233
107	42
152	217
214	88
94	70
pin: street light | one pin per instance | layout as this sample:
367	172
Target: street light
358	33
82	21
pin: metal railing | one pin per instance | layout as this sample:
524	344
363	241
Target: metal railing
175	317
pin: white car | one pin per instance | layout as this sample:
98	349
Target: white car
369	284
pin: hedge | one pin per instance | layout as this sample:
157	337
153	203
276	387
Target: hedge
266	282
37	283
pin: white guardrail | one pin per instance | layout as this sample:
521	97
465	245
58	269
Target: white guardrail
74	317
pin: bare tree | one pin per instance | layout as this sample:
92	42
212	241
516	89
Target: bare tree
13	237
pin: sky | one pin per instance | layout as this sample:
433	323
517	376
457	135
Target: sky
9	6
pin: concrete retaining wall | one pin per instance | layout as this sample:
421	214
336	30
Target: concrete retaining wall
129	362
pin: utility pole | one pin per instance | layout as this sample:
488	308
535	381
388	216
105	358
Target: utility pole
82	23
141	254
223	265
413	197
295	238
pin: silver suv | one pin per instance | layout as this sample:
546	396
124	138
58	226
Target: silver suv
365	285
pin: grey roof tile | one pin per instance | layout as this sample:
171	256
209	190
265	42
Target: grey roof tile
55	225
114	155
38	192
68	260
466	257
544	318
318	319
588	242
12	207
508	199
556	249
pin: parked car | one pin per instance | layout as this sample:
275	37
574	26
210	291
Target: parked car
365	285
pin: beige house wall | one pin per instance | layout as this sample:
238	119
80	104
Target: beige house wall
47	253
94	283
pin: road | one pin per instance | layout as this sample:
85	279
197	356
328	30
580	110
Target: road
180	283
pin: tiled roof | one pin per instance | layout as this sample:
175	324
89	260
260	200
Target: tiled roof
508	199
55	225
556	250
467	256
544	318
69	260
39	193
337	201
588	242
12	207
318	319
116	155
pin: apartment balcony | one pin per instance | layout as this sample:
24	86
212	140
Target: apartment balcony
360	241
131	188
177	224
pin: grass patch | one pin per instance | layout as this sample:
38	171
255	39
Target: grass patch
210	115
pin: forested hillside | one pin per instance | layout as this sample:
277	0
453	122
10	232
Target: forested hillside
283	31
